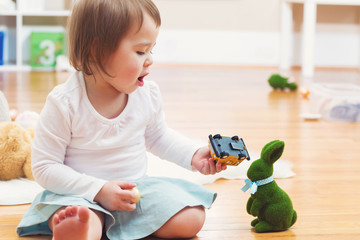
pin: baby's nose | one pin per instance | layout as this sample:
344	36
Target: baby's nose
149	61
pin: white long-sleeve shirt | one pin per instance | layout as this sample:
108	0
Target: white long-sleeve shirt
76	150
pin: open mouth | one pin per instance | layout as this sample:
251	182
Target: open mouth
141	80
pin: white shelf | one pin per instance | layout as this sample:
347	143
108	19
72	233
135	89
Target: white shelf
338	2
10	67
21	31
62	13
328	2
308	32
8	13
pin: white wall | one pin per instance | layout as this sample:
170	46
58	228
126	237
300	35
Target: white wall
252	48
246	32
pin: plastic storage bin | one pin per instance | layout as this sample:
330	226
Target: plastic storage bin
2	40
45	47
336	102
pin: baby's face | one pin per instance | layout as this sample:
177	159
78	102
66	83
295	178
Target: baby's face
130	63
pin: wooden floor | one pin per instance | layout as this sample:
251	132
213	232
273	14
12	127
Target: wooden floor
238	101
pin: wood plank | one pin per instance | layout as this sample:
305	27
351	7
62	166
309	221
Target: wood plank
238	101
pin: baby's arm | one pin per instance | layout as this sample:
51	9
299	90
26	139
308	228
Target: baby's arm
162	141
52	136
168	144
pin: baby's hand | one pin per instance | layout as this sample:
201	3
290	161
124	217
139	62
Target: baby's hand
114	195
203	162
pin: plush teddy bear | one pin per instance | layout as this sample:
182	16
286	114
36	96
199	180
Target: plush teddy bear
268	202
15	142
15	149
277	81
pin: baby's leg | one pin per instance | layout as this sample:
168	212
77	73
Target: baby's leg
78	223
185	224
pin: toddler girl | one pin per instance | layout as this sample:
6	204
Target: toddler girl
90	144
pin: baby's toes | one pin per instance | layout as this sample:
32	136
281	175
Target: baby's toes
62	215
70	211
56	219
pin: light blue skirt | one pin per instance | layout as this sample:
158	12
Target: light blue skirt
161	198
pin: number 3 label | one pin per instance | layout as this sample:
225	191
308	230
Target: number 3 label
49	57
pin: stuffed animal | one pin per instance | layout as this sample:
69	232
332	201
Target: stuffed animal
15	142
277	81
27	119
15	149
268	202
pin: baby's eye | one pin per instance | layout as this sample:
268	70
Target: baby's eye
140	53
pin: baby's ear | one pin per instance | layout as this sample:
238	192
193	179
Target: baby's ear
272	151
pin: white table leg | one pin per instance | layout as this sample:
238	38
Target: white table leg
308	38
286	39
19	25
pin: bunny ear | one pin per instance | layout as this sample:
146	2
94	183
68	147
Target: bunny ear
272	151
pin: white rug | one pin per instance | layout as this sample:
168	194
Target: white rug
23	191
158	167
18	191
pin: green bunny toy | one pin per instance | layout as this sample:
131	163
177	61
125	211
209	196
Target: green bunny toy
277	81
268	202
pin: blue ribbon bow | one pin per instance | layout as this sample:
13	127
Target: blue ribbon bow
254	185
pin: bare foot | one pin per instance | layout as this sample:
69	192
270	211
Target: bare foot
72	223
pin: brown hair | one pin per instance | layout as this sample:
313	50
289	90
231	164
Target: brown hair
103	23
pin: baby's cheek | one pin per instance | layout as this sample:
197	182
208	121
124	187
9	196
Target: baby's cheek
134	69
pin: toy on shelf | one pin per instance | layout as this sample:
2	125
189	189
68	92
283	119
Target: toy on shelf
63	64
277	81
230	151
2	43
45	47
268	202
